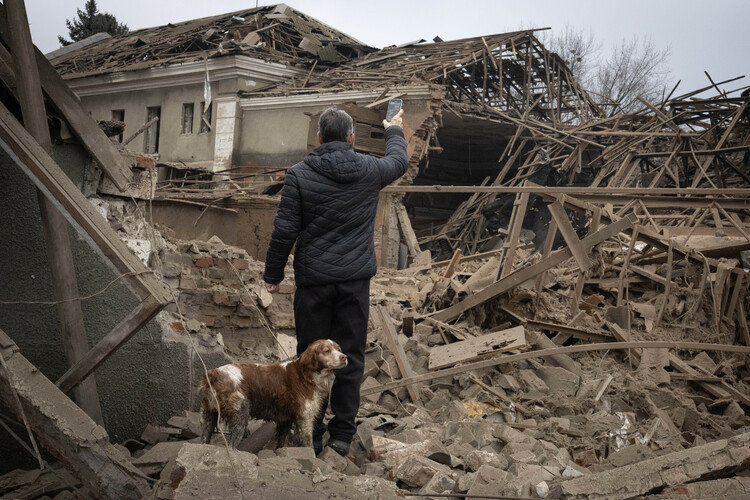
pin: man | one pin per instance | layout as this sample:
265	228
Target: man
328	207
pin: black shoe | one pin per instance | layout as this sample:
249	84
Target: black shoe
317	447
340	447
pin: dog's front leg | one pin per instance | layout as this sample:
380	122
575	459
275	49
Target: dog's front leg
305	430
282	433
238	424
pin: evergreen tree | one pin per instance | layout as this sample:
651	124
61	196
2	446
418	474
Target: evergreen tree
90	22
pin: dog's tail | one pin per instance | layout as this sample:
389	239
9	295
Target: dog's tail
205	389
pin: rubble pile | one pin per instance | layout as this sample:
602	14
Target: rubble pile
220	290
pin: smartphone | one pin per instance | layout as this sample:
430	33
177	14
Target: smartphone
394	106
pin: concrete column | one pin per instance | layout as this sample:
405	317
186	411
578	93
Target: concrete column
228	120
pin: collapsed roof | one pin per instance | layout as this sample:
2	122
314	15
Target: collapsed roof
276	33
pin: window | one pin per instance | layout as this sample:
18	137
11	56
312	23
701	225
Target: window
205	118
187	118
151	134
119	115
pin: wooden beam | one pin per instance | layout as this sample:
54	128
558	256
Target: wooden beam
513	358
389	332
110	343
516	278
54	226
65	431
568	330
57	187
101	148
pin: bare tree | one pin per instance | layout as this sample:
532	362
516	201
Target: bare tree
578	49
635	67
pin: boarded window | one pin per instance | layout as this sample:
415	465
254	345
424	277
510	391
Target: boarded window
205	118
119	115
151	134
187	118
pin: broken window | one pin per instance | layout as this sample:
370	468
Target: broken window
205	118
187	118
151	134
119	115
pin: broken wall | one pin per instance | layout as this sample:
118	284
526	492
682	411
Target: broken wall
149	379
173	144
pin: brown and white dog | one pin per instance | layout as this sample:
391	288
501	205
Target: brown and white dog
289	393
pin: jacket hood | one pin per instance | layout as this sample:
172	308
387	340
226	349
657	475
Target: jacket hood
337	161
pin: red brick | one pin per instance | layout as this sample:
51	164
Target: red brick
144	162
241	263
177	327
207	261
247	299
221	299
284	288
222	263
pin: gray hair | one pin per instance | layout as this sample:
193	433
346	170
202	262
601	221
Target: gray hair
335	125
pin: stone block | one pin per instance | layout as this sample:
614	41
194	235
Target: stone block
508	434
465	482
336	461
509	383
524	457
296	452
489	475
532	381
439	483
526	478
188	283
477	458
207	471
559	380
418	470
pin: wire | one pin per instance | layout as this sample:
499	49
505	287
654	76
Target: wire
86	297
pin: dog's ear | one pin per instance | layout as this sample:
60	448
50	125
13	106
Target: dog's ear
309	359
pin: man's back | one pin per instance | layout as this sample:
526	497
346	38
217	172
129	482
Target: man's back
328	207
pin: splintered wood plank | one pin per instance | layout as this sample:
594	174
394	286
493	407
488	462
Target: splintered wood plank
666	287
514	231
516	278
471	349
110	343
406	230
569	235
398	352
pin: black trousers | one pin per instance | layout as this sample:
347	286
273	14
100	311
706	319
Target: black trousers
338	312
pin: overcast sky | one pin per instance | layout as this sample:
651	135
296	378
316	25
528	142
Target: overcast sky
703	35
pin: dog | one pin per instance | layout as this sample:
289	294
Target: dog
290	394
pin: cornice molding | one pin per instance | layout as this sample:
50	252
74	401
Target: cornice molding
189	73
329	98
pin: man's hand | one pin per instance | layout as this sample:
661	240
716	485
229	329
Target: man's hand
396	120
272	288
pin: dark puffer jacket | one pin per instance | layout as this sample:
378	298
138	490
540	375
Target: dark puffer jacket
328	207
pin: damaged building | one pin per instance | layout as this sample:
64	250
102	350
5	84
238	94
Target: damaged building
561	306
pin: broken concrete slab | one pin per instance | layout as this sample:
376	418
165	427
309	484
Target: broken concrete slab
713	459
